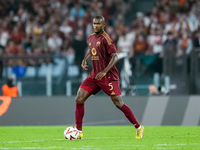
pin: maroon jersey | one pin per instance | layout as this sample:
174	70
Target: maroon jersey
101	48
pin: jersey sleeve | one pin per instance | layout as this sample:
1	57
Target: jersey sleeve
109	44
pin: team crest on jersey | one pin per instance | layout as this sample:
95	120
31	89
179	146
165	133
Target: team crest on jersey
98	43
94	51
89	44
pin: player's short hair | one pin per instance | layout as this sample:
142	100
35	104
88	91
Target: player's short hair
99	18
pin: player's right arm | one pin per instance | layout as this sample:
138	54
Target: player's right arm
84	62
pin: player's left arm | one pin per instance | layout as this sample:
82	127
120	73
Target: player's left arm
84	62
113	61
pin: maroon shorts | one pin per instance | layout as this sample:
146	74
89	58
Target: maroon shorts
93	86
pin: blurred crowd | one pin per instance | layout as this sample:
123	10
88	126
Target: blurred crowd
171	23
51	27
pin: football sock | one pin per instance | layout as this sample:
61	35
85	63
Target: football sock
129	115
139	127
79	113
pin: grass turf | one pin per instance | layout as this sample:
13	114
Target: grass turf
100	138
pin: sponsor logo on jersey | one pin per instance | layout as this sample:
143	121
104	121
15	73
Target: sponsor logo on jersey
94	52
95	57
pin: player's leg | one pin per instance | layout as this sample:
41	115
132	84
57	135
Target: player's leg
112	89
87	88
117	100
81	97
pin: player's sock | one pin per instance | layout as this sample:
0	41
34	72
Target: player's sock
139	127
79	113
129	115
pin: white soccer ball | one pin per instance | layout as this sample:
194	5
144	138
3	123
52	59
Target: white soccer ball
71	133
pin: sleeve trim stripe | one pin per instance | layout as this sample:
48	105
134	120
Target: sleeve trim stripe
107	38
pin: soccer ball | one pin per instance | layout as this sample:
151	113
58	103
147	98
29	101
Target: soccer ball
71	133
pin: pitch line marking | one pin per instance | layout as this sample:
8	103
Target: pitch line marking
86	138
157	146
4	142
102	122
81	148
178	144
97	138
32	141
32	148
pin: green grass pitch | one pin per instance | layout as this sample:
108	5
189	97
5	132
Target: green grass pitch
100	138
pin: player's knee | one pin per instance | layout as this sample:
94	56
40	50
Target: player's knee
80	100
118	104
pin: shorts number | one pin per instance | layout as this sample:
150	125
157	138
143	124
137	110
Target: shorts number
111	86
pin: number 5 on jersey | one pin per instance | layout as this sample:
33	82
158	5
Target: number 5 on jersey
111	86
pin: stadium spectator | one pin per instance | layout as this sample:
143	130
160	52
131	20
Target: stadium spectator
39	41
54	42
11	48
171	40
124	47
4	36
37	52
69	54
77	11
65	28
196	40
17	35
140	45
9	89
139	49
170	45
27	43
184	45
79	45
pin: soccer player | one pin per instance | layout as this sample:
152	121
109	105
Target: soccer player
104	76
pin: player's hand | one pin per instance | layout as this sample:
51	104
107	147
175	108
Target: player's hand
100	75
84	65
